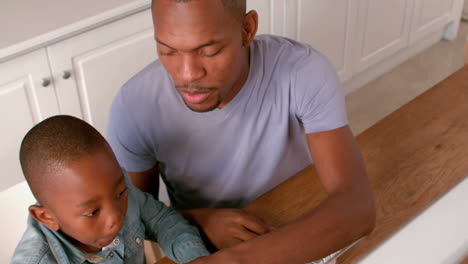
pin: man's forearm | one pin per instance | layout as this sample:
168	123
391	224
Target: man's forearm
337	222
147	181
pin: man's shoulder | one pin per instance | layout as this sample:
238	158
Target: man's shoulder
288	52
143	89
145	81
33	247
149	74
267	39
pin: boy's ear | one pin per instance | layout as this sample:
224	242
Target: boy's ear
44	216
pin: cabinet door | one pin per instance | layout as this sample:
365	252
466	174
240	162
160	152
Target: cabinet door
430	16
326	25
100	62
24	101
264	9
382	30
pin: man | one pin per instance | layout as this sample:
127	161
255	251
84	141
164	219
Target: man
223	116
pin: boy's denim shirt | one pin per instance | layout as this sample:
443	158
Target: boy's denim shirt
146	218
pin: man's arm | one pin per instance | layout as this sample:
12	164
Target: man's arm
345	216
223	227
226	227
147	181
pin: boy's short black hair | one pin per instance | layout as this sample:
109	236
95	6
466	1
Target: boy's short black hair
52	144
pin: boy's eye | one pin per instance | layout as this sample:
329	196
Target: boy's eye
122	193
91	213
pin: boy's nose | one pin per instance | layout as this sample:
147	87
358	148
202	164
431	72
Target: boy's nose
112	222
114	219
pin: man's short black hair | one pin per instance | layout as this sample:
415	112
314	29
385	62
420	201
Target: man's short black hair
238	7
52	144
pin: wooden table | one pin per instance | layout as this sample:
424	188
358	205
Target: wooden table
413	157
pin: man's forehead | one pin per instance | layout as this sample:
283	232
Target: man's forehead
187	27
195	15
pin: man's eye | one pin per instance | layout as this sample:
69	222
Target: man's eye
168	53
212	53
91	213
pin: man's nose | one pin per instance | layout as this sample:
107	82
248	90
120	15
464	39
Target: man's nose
191	69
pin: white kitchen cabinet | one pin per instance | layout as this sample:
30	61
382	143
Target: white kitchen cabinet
465	10
326	25
358	34
430	15
99	63
265	9
24	101
382	30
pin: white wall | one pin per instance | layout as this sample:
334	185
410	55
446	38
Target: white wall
465	10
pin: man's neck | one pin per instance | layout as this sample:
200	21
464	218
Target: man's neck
240	81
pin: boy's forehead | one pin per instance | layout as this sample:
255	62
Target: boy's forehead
89	199
86	178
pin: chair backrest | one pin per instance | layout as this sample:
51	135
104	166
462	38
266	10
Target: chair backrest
466	50
14	203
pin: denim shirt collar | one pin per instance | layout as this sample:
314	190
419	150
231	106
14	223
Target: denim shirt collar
66	252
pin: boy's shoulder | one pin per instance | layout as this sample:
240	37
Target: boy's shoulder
33	247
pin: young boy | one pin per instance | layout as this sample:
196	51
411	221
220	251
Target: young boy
88	211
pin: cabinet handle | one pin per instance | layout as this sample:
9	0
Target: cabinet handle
66	75
45	82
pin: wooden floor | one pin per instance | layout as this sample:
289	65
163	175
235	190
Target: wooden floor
414	156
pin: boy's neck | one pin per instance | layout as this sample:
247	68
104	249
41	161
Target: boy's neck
81	246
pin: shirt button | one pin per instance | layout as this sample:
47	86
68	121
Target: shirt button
116	241
111	255
138	240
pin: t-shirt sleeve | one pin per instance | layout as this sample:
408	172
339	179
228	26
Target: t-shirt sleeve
126	139
318	94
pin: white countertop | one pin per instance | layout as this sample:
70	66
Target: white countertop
28	25
439	235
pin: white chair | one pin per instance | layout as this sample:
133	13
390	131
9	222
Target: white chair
14	203
466	50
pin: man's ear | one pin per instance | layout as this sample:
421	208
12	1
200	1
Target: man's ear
44	216
249	28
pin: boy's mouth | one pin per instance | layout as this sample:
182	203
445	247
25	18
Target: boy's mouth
107	240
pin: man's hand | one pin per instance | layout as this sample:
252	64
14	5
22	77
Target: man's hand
227	227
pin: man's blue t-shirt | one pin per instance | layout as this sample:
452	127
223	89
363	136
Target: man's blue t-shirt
230	156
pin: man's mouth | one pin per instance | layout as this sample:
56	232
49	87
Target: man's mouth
194	98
